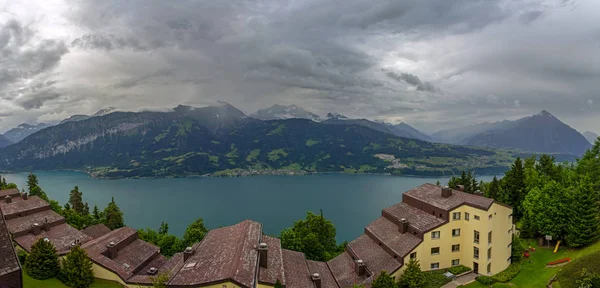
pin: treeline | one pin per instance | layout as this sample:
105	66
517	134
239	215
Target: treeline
170	244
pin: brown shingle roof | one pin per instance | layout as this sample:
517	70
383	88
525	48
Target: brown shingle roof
22	224
327	279
432	194
18	205
61	236
225	254
8	258
96	230
14	192
169	266
374	257
296	270
417	218
274	270
387	232
343	269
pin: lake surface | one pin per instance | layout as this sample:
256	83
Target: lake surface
349	201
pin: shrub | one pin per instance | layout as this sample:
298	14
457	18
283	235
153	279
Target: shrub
42	262
485	280
76	270
459	269
22	255
509	273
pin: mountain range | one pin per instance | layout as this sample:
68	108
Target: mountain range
221	140
590	136
4	141
20	132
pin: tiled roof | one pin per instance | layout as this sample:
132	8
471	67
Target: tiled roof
18	205
374	257
432	194
169	266
8	258
96	230
327	279
343	269
225	254
274	270
61	236
417	218
387	232
22	224
296	270
14	192
132	251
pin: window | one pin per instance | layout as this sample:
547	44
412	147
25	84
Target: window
490	237
509	260
509	246
490	217
455	262
476	237
466	216
455	232
490	253
413	256
456	248
489	268
435	235
476	217
456	216
435	250
509	231
435	265
475	252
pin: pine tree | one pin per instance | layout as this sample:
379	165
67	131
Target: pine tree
86	209
164	228
113	217
583	226
494	188
96	213
384	280
437	183
32	182
42	262
76	200
514	190
76	270
412	277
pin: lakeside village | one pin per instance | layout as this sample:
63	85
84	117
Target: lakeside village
473	234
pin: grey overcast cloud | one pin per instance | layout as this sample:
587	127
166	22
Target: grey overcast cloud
433	64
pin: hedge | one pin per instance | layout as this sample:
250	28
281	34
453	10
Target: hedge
509	273
459	269
485	280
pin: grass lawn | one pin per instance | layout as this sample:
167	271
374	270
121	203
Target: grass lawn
29	282
535	274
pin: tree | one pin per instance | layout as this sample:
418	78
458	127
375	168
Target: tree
96	213
278	284
86	209
494	188
37	191
164	228
583	225
384	280
76	200
42	262
546	210
412	277
514	190
113	217
170	244
517	248
76	270
32	182
437	183
160	281
315	237
195	232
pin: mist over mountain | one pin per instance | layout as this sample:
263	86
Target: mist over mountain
80	117
20	132
590	136
279	112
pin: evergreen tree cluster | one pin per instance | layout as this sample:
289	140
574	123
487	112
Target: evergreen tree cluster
4	185
171	244
467	179
561	200
412	277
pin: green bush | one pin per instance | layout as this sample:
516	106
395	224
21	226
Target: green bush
42	262
509	273
485	280
22	255
459	269
76	270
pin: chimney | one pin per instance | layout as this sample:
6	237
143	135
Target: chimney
360	267
36	229
460	188
263	249
187	253
46	226
152	271
479	192
25	196
112	250
403	225
447	192
7	199
316	278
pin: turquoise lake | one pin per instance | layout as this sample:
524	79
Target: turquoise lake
349	201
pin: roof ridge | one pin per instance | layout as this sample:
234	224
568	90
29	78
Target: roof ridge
245	228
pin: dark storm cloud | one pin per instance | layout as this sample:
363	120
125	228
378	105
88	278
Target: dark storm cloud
412	80
107	42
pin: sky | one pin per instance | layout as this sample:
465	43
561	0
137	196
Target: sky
432	64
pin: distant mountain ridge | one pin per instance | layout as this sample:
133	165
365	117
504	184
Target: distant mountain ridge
20	132
219	139
542	133
590	136
79	117
4	141
280	112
